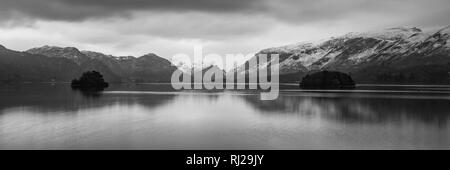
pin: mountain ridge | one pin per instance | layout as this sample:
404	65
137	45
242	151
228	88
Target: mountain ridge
148	68
393	53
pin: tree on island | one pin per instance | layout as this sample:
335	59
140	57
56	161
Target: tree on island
327	80
90	80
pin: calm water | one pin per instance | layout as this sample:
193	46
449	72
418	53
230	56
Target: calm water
44	116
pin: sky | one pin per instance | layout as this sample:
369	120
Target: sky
169	27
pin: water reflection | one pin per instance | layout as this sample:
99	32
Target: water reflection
89	93
358	110
44	98
158	117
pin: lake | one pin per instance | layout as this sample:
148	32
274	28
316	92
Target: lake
153	116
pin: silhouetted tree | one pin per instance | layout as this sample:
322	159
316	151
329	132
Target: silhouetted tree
327	80
90	80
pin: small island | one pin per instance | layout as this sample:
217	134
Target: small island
327	80
91	80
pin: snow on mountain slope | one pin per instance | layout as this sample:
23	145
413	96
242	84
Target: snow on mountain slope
147	68
391	34
355	50
67	52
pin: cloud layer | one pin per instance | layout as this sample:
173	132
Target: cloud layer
292	10
172	26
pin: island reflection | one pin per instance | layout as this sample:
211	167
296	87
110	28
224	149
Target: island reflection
157	117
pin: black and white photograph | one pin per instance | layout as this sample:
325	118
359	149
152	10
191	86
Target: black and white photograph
224	75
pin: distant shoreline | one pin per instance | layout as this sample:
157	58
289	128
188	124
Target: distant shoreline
285	84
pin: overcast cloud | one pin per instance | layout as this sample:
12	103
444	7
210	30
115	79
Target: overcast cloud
167	27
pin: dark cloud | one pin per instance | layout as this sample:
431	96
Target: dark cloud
132	25
292	11
306	11
84	9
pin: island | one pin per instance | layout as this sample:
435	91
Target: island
327	80
91	80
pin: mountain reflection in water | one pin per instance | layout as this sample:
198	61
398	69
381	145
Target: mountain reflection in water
157	117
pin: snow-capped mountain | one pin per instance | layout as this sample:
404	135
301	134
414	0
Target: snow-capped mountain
395	53
192	66
71	53
50	63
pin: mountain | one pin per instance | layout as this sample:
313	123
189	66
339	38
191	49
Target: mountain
396	55
70	53
210	72
150	68
21	66
206	73
49	63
